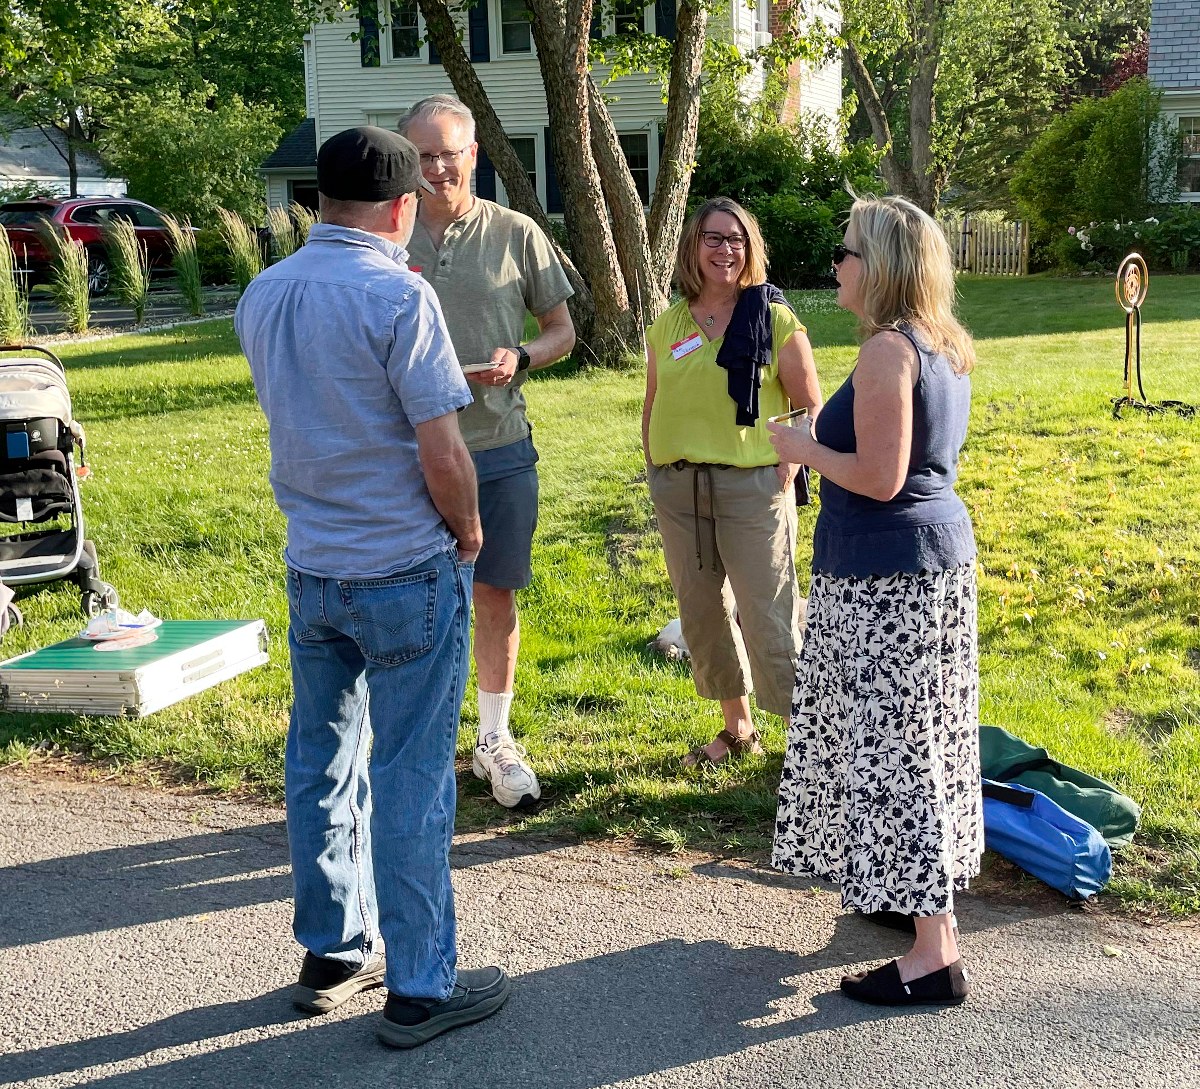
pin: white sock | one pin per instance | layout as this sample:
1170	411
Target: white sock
493	717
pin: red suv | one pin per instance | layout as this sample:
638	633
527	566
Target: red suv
85	220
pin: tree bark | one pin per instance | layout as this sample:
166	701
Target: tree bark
628	217
922	108
674	179
444	33
560	30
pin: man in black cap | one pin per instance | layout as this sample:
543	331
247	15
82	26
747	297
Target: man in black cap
361	388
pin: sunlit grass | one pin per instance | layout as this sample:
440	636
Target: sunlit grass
1089	556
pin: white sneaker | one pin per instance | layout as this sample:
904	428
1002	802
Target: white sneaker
503	765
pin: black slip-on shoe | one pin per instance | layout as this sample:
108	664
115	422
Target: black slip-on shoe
883	986
477	994
326	984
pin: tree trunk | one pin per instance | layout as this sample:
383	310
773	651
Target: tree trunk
560	30
922	110
443	32
679	142
625	207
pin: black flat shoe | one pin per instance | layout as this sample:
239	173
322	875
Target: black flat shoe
883	987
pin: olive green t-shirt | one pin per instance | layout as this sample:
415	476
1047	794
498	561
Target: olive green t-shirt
693	418
493	266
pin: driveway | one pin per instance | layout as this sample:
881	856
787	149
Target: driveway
107	313
144	944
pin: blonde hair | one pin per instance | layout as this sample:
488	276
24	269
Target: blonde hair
907	275
688	277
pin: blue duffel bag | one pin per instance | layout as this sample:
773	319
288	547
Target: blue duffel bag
1045	840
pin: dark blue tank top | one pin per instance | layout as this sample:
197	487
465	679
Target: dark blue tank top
925	527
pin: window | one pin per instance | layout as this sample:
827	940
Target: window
145	217
630	16
762	16
1189	168
406	29
526	149
304	193
636	147
515	35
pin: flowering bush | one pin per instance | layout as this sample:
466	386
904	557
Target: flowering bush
1169	240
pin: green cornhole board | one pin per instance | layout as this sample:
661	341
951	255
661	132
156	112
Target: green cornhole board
187	657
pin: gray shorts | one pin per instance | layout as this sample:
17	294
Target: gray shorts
508	509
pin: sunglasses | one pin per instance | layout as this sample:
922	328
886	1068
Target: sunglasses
840	253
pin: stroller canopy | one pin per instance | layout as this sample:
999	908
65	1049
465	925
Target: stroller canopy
33	388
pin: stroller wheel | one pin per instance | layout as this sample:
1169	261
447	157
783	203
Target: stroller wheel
108	596
90	603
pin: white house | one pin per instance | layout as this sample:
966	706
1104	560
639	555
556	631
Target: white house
31	155
1174	67
369	71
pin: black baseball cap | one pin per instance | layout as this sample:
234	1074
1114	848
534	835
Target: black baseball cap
368	164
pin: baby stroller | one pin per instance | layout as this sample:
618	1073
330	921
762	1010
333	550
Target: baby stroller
38	481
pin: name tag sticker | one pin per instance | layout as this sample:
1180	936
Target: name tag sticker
686	346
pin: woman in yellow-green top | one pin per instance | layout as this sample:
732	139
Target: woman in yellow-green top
719	363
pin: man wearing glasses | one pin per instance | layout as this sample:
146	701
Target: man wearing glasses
490	266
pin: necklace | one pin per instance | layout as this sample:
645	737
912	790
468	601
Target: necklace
710	321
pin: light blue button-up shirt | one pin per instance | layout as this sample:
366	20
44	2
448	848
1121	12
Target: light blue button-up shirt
349	353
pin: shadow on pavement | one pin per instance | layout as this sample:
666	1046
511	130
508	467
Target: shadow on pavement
575	1026
171	879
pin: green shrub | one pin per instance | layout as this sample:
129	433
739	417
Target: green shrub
797	186
1169	241
1105	160
802	233
212	254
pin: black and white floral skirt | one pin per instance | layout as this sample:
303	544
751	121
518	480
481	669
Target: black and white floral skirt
880	790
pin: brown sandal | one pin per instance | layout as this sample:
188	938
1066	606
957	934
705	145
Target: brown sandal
750	745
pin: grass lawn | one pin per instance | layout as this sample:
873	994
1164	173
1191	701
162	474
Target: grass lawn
1089	550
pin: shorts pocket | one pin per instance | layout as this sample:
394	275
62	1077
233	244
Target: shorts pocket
393	618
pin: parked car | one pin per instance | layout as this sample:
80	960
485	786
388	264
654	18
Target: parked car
85	219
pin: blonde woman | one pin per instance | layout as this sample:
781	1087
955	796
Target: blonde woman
880	789
719	362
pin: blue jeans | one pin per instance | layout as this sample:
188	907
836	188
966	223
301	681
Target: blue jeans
378	667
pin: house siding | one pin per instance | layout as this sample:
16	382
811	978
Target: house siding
353	95
1174	61
342	91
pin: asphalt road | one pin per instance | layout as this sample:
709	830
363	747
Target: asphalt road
107	313
144	944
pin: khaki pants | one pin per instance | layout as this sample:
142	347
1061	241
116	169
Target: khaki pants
746	527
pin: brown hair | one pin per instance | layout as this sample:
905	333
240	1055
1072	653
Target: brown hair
688	277
907	275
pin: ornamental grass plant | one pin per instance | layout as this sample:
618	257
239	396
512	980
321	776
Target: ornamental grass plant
14	304
303	219
69	281
186	262
130	266
284	239
245	254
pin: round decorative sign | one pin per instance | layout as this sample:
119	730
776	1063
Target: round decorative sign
1133	282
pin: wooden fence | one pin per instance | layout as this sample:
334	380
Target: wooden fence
988	247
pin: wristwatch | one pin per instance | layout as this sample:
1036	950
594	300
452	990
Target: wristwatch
522	358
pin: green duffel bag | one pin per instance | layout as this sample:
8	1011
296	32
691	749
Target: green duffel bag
1005	758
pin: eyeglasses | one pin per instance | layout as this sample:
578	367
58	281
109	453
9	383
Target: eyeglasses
446	158
840	253
715	240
